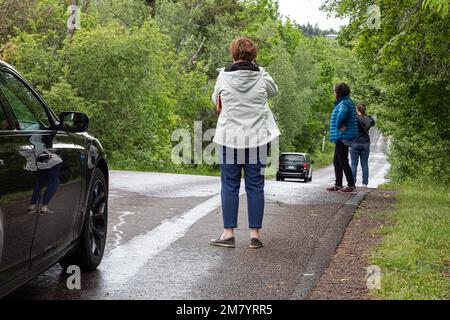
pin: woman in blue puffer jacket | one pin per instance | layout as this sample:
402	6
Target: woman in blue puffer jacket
343	129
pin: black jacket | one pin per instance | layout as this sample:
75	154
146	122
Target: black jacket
364	125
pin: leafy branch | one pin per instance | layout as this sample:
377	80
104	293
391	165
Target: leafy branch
439	6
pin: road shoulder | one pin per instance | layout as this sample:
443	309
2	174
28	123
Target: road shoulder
326	246
345	277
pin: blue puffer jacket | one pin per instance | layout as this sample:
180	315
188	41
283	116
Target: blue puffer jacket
344	114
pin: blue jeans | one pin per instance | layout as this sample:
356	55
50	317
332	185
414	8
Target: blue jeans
357	151
232	162
49	177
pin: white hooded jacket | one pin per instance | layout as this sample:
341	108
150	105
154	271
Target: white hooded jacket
246	120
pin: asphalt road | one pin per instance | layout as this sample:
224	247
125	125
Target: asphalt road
160	226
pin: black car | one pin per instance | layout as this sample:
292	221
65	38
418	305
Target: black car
295	166
53	186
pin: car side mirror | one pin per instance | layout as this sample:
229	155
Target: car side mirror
73	121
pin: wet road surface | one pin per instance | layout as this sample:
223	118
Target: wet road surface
160	226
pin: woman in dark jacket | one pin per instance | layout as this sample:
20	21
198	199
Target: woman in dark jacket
343	128
361	145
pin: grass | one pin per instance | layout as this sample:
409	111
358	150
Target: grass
324	159
415	254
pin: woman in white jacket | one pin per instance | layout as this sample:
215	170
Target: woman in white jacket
245	128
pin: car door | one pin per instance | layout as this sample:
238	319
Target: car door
16	189
57	164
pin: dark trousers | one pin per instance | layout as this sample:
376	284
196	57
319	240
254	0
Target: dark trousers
49	178
232	163
341	165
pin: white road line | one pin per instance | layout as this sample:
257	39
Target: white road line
125	261
118	234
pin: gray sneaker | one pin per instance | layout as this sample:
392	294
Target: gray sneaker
255	243
228	243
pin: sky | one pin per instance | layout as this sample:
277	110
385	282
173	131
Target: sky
303	11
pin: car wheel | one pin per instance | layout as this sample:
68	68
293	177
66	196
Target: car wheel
278	179
306	179
89	252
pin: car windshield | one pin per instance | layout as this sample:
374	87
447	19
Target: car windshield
293	157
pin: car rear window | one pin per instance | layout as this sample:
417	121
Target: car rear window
293	157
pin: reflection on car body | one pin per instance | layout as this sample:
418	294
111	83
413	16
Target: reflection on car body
47	160
42	159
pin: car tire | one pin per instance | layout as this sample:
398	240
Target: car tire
89	252
278	179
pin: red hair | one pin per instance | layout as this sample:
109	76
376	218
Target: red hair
243	49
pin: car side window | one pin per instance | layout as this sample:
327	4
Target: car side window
4	124
28	110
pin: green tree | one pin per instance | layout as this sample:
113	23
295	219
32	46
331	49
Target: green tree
123	74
